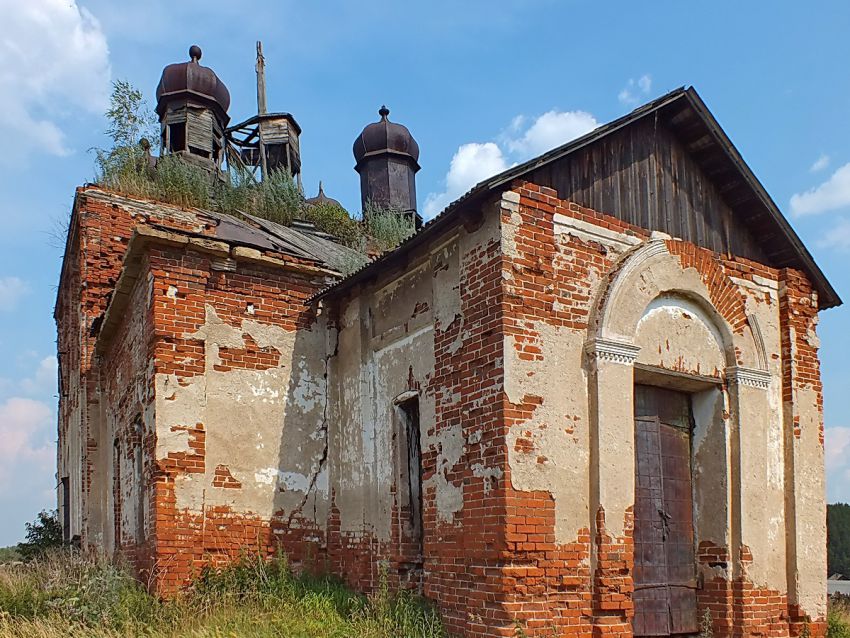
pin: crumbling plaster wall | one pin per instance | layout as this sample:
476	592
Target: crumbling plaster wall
120	499
386	349
241	400
667	305
429	330
101	226
266	426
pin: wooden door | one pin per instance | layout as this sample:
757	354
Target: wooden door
665	565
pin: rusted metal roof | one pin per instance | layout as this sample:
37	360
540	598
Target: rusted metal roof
312	243
683	110
383	137
190	79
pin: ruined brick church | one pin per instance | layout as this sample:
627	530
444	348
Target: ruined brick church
582	400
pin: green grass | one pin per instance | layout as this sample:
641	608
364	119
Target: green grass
174	181
838	617
10	554
66	594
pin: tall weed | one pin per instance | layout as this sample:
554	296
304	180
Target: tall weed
69	594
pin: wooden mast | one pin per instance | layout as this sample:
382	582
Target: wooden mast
261	104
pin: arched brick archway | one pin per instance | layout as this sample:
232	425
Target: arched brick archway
649	278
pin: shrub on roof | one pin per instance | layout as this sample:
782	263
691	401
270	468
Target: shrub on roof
128	168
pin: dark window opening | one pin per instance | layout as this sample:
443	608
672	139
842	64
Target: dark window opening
177	136
139	479
410	491
66	508
116	491
194	150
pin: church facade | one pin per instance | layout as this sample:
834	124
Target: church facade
583	400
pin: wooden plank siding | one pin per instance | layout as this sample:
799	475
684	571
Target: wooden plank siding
644	175
200	129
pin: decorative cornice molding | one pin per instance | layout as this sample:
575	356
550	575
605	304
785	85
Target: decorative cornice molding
633	262
592	232
748	377
620	352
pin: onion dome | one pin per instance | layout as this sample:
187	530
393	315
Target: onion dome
385	137
322	199
193	82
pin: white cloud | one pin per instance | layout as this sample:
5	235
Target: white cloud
11	291
27	451
837	447
819	164
837	456
54	60
44	379
471	163
635	90
476	161
832	194
838	237
551	129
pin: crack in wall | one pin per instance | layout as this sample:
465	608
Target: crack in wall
323	429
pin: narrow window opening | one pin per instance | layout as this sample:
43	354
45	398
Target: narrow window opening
413	467
66	508
138	480
116	491
177	136
410	490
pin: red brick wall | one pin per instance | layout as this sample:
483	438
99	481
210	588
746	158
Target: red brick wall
549	283
101	226
185	541
126	394
496	567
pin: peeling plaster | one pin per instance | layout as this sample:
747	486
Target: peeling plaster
558	428
674	333
262	424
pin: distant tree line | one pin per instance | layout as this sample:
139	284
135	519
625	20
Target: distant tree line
42	535
838	534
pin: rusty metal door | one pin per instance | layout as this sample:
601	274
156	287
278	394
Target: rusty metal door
665	565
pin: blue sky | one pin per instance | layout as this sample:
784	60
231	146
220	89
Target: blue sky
481	85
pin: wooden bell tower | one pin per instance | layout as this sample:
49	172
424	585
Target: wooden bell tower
267	142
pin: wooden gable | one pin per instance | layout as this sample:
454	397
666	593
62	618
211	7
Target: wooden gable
665	166
644	175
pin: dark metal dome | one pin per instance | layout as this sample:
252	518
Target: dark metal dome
385	137
321	198
191	80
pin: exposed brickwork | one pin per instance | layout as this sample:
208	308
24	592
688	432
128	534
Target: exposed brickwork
223	478
497	565
187	540
798	321
544	285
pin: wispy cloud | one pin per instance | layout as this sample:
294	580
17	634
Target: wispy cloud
635	91
551	129
522	139
43	381
837	456
54	60
832	194
837	238
820	163
27	451
470	164
11	291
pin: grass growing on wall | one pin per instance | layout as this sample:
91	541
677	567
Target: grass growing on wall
127	168
68	594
